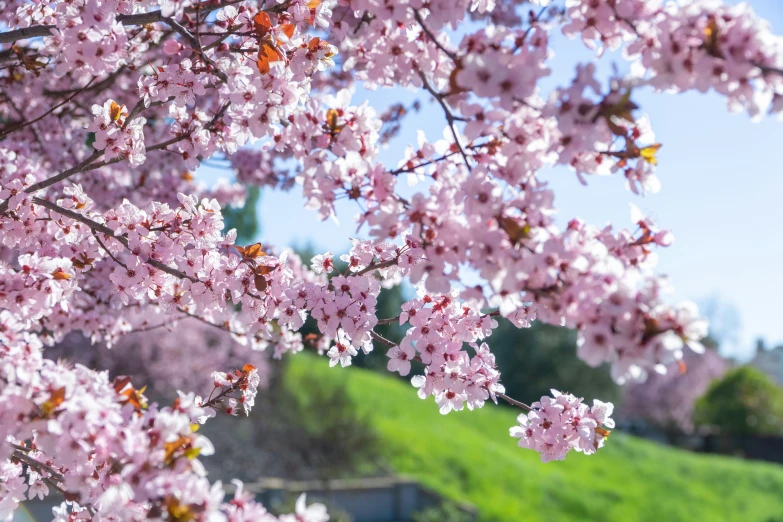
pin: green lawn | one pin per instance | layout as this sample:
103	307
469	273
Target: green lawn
469	456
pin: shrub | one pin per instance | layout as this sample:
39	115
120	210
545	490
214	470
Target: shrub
744	402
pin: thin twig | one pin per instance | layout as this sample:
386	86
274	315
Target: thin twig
450	118
37	465
150	17
88	165
24	124
79	167
376	266
95	226
196	45
382	339
97	238
514	402
210	323
450	54
533	22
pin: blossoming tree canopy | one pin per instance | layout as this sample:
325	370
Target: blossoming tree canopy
108	107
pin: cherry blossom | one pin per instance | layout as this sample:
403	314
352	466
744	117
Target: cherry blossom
112	110
561	423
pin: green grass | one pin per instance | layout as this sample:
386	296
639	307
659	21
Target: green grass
469	456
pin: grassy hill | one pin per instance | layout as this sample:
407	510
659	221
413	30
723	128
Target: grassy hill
469	456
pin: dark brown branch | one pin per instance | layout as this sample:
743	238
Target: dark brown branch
376	266
37	465
450	54
98	227
768	70
196	45
34	31
382	339
514	402
150	17
55	475
79	167
108	252
87	165
450	117
210	323
149	328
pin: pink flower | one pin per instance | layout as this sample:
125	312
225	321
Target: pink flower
341	353
400	359
322	263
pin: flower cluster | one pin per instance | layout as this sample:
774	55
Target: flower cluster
556	425
117	136
180	83
244	381
108	450
698	45
440	326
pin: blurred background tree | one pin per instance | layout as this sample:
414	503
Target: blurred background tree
666	402
744	402
312	429
245	218
541	357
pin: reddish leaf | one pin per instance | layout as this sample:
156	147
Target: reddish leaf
61	275
262	24
259	279
288	30
115	111
331	119
120	382
56	397
251	251
260	282
267	54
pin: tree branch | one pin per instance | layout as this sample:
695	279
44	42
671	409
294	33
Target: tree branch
87	165
377	266
450	118
24	124
98	227
79	167
382	339
37	465
450	54
514	402
56	476
150	17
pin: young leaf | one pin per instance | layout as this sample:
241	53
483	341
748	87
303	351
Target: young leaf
262	24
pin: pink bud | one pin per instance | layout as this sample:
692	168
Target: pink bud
171	47
663	238
575	224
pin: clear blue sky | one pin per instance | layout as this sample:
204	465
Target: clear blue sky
722	196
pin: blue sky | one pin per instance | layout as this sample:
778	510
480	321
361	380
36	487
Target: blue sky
722	195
